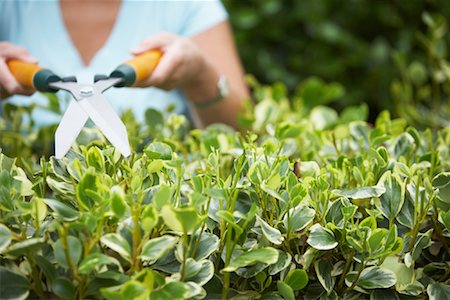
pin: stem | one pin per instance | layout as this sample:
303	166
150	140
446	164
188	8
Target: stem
438	230
36	220
363	263
177	199
65	246
185	251
36	278
346	269
197	242
226	284
136	238
226	276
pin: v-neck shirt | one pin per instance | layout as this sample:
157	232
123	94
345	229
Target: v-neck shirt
39	27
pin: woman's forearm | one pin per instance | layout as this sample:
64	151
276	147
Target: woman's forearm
223	109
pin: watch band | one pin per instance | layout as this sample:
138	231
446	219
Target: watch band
222	93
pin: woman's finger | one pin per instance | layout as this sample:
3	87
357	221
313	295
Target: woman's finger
166	67
158	41
8	51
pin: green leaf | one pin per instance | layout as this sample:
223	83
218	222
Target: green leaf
130	290
406	214
229	218
25	246
265	255
258	172
117	243
321	238
155	248
195	291
412	289
205	273
94	158
63	288
375	239
298	218
284	260
46	267
192	268
155	166
251	271
323	268
285	291
13	286
392	200
208	244
180	219
322	117
89	181
117	200
287	130
442	182
5	237
26	187
163	196
445	220
438	291
60	187
272	234
374	278
62	210
403	144
297	279
362	192
75	169
309	169
423	241
334	213
149	218
74	249
171	290
315	91
405	276
96	260
154	119
139	287
157	150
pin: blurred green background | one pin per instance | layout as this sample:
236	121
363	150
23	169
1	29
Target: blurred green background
390	54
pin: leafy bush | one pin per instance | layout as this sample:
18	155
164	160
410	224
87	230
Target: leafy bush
309	204
352	42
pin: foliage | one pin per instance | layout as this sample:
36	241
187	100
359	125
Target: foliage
307	204
367	46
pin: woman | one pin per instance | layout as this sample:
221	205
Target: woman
85	37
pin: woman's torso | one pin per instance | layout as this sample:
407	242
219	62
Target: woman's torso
39	27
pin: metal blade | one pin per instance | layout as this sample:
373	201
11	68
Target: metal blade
102	114
70	126
104	84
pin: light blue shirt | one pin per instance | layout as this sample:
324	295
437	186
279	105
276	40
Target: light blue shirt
39	27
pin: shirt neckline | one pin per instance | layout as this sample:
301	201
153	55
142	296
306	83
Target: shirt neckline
75	53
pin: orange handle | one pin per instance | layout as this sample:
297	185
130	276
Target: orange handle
23	72
144	64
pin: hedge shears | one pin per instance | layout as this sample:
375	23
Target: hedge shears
88	100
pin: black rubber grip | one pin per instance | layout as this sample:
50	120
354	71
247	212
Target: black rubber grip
125	72
42	79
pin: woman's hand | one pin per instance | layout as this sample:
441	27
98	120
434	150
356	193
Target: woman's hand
182	65
195	65
9	84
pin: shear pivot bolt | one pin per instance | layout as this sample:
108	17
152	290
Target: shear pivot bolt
86	91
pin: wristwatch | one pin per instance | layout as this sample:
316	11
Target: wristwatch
222	93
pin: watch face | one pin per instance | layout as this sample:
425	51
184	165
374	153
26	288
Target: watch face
223	86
